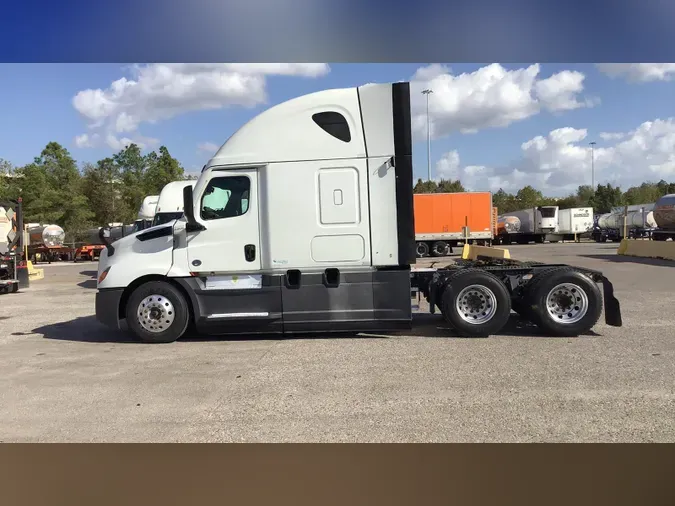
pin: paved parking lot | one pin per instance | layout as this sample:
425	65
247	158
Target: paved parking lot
65	378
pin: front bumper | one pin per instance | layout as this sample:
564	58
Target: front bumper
108	306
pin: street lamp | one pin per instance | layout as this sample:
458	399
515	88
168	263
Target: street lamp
428	92
592	144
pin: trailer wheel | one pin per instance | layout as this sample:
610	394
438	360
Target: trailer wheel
476	303
440	249
563	302
157	313
422	249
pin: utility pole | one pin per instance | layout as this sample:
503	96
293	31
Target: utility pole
428	92
592	144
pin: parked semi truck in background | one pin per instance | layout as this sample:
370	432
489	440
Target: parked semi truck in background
664	218
146	213
443	220
170	202
529	225
572	223
638	224
311	229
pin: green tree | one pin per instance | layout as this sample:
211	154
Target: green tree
106	199
449	186
130	169
425	186
528	197
6	175
52	193
161	170
606	197
504	202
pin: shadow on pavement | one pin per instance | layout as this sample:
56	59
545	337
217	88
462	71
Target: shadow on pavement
434	326
632	260
89	283
88	330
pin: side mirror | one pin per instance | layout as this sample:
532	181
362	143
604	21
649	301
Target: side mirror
104	235
189	211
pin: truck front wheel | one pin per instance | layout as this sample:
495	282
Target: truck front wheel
157	313
476	303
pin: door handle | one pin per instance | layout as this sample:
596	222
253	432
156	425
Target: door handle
249	252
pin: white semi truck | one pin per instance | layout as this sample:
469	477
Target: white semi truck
146	213
303	221
170	202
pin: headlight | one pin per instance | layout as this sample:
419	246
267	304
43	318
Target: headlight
103	275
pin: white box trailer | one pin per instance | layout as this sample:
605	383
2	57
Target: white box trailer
303	221
572	223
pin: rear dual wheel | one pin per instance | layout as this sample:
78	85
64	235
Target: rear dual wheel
476	303
561	301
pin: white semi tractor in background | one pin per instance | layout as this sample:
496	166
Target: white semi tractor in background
170	202
146	213
303	222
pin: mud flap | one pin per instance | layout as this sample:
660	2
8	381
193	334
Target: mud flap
612	306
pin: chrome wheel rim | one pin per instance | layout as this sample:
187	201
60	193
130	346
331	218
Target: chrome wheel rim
156	313
566	303
476	304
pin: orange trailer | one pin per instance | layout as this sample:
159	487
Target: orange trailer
443	220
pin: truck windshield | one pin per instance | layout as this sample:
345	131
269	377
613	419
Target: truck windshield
547	212
162	218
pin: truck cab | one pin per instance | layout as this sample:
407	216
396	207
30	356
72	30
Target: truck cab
146	213
301	222
170	202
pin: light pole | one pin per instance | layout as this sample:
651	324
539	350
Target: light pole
592	144
428	92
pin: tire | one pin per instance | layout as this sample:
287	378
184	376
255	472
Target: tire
152	294
440	249
422	249
465	285
563	284
539	239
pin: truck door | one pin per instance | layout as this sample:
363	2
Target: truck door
228	208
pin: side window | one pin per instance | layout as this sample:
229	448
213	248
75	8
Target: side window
334	123
225	197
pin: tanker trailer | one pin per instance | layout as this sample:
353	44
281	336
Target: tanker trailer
46	242
506	225
664	216
610	226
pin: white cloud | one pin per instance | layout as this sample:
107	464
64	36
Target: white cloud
159	92
448	166
490	97
639	72
560	161
612	136
207	148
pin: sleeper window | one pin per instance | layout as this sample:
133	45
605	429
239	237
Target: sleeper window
226	197
333	123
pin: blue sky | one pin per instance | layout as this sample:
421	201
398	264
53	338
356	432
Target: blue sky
578	101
